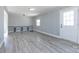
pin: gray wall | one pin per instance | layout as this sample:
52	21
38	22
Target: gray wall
18	20
1	24
49	23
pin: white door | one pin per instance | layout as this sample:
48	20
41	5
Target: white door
5	26
68	24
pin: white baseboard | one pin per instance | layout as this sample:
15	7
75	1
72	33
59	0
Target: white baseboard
48	34
52	35
1	43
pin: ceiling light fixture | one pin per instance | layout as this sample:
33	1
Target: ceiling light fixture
33	14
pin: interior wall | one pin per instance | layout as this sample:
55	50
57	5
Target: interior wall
18	20
78	25
50	23
1	24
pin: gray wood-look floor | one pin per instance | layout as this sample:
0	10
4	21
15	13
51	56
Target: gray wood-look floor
33	42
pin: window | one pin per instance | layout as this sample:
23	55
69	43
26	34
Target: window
38	22
68	18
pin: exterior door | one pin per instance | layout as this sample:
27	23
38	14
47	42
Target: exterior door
68	24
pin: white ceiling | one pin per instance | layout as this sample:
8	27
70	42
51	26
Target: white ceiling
24	9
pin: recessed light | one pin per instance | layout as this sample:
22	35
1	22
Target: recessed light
31	9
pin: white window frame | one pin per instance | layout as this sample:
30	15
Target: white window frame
38	22
67	20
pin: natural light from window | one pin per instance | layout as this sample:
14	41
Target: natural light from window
38	22
68	18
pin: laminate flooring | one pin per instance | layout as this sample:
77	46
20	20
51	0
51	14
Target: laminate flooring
34	42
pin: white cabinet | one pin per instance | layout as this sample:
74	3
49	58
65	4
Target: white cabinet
18	29
10	29
25	29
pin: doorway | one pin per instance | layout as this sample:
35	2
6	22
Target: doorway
68	24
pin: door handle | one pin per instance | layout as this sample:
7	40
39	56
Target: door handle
61	26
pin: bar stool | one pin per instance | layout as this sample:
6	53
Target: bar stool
21	29
14	29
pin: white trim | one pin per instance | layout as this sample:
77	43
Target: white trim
1	43
47	33
52	35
